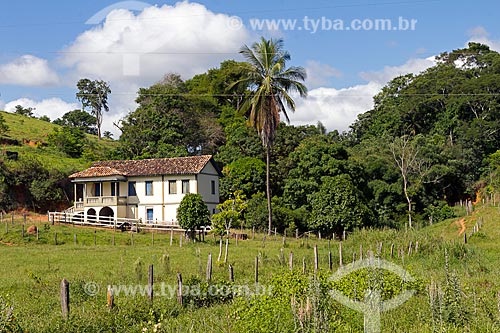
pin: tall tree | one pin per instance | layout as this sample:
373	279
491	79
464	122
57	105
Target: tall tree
94	95
78	119
269	82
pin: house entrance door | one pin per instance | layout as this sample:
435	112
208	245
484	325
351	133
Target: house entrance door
149	214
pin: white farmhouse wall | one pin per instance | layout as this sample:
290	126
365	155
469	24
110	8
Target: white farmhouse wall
163	203
205	179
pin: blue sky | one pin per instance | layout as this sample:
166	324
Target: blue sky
47	47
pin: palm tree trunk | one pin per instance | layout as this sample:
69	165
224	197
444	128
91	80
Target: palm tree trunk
268	189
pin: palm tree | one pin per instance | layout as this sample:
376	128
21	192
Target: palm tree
269	82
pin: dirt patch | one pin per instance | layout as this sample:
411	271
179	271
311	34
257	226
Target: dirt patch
6	243
32	230
461	225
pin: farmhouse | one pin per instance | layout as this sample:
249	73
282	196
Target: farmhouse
150	190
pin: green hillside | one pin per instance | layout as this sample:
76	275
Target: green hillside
28	137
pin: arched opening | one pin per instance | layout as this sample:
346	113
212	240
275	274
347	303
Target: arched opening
106	215
91	215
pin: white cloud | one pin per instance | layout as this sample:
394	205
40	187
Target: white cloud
390	72
480	35
28	70
319	74
52	107
337	109
135	50
185	38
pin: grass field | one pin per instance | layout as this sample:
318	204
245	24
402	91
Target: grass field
31	137
465	274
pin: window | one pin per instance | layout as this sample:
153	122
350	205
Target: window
149	187
149	215
97	189
185	186
212	183
172	187
115	189
131	189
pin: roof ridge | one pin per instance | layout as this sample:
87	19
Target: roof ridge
148	167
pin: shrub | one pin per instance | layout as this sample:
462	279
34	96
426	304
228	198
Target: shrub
192	212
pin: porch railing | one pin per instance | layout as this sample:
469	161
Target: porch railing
78	218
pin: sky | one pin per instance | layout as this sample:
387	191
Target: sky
349	48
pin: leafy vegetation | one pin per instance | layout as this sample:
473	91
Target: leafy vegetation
192	212
37	158
455	283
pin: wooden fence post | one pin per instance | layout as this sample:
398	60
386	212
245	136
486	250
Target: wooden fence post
330	262
392	250
171	235
74	239
110	298
150	284
340	255
253	233
209	267
37	233
290	261
179	288
316	263
180	240
257	269
65	298
303	265
95	237
12	218
132	239
231	273
360	251
22	231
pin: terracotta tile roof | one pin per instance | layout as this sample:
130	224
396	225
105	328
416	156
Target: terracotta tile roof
158	166
97	171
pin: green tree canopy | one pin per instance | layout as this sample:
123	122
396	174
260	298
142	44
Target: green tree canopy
94	95
192	212
78	119
338	206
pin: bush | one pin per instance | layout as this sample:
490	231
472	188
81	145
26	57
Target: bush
192	212
70	141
